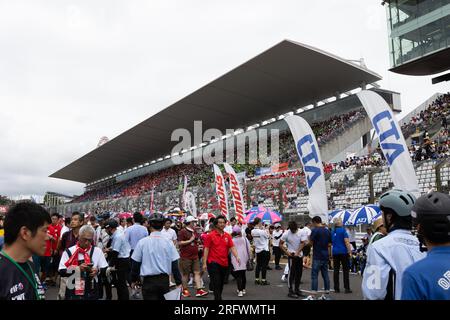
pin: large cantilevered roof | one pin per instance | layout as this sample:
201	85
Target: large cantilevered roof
283	78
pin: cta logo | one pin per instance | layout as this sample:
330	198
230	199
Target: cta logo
308	154
389	136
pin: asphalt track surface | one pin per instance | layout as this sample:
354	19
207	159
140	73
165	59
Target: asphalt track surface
277	290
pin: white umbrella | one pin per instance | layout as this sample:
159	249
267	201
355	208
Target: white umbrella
344	215
363	215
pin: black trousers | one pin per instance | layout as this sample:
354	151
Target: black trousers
106	286
55	264
277	254
217	275
295	273
262	261
123	269
229	269
129	273
339	259
155	287
241	279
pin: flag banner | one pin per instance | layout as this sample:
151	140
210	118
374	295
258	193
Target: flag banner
241	175
184	190
392	141
190	203
308	152
151	200
236	192
221	191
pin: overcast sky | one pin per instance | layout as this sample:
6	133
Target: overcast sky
74	71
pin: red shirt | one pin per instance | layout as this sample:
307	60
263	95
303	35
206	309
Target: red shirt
189	251
219	246
49	246
55	231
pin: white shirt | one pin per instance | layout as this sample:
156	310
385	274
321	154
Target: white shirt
169	234
97	236
396	251
228	229
260	239
64	229
120	245
104	239
307	231
98	258
276	234
294	240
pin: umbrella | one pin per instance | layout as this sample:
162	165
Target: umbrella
364	215
146	213
266	216
256	209
206	216
344	215
125	215
374	207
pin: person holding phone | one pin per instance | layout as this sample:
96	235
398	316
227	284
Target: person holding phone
82	264
261	239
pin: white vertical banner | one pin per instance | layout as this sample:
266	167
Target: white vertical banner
236	192
152	199
184	191
190	203
221	191
308	152
392	141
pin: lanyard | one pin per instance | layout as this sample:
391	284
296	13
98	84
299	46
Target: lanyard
32	281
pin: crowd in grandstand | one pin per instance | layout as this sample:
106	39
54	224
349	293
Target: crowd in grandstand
199	175
327	130
114	256
168	181
437	111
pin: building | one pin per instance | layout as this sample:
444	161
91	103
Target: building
53	199
288	78
419	36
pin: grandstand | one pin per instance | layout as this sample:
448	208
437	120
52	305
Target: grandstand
120	174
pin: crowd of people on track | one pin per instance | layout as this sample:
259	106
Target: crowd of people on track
143	258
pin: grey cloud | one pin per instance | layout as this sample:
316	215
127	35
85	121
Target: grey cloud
74	71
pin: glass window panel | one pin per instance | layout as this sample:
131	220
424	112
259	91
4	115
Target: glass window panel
407	11
432	35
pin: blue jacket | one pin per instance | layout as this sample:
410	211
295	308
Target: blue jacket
429	278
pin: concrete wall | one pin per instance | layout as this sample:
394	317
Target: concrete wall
334	147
